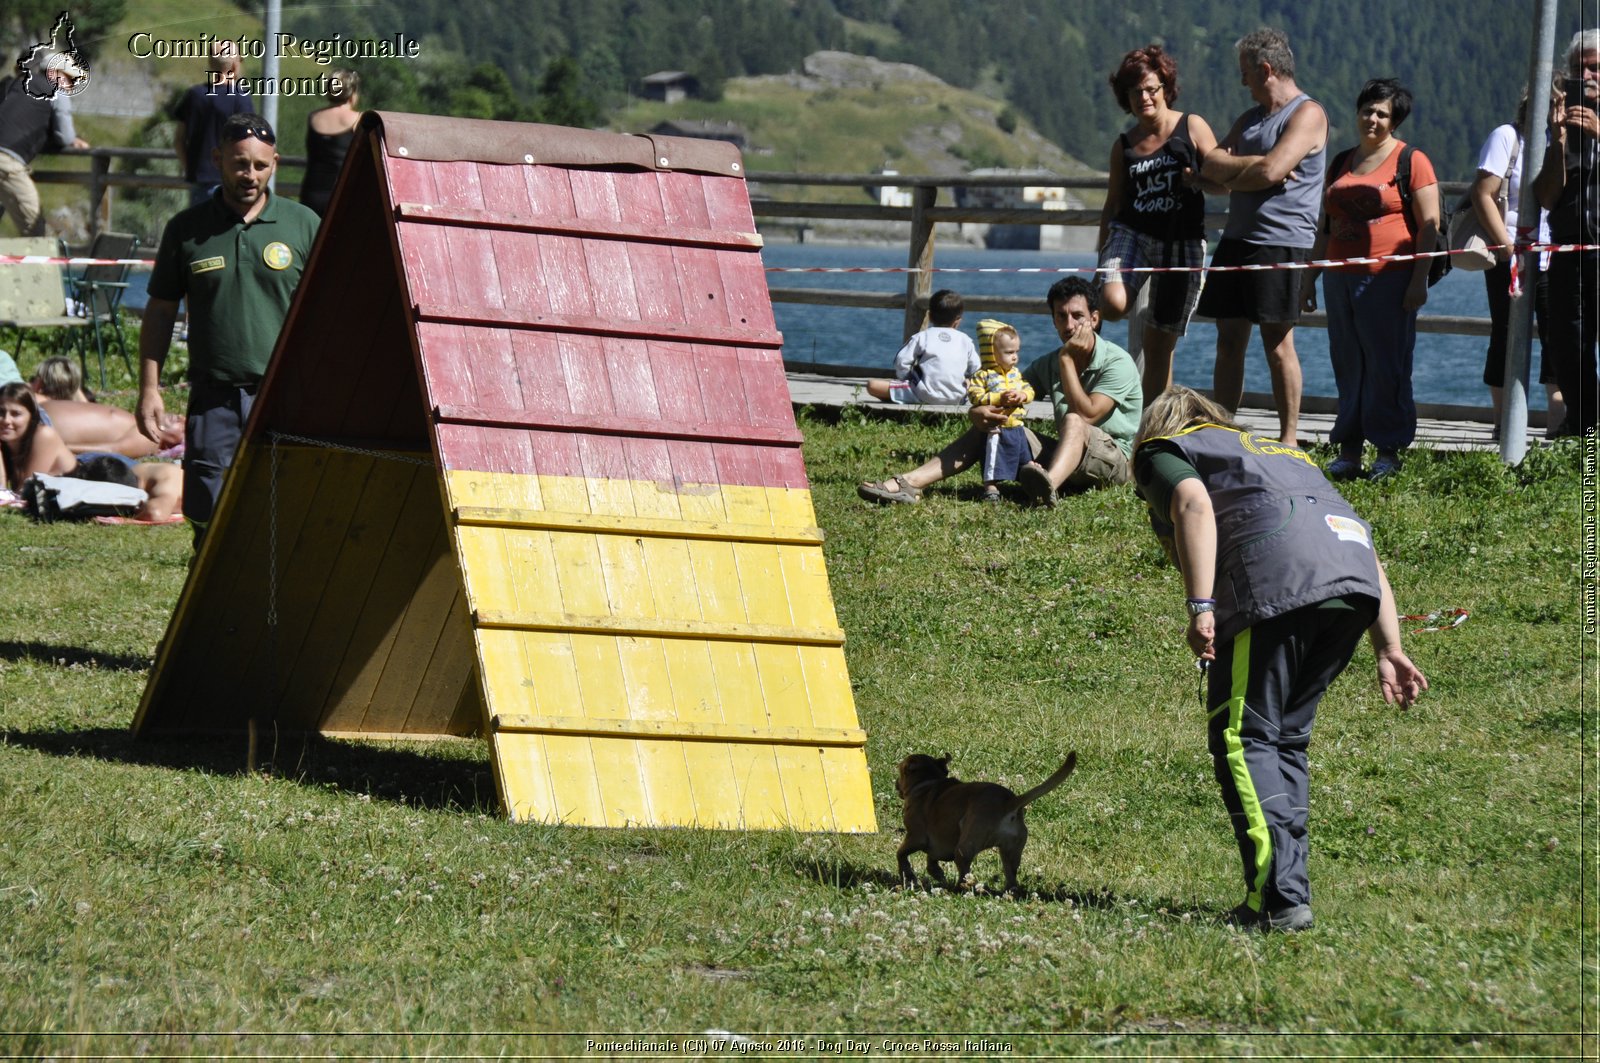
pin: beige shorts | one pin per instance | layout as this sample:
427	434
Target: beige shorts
1103	465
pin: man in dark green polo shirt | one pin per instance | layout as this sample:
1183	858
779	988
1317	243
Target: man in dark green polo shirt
237	258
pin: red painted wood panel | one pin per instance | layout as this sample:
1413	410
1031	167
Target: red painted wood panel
474	274
633	385
457	184
564	270
693	463
539	366
552	453
727	203
611	278
522	282
425	250
492	367
639	200
700	282
549	191
505	190
583	366
677	386
655	280
744	289
410	181
594	195
684	197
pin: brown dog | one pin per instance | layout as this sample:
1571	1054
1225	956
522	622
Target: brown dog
954	820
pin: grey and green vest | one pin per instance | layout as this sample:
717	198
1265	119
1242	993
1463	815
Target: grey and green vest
1286	538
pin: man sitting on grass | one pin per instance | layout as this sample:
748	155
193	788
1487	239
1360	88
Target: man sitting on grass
1098	400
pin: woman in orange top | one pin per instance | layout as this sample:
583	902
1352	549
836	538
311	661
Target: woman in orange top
1372	307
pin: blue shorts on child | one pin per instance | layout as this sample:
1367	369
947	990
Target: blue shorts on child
1005	451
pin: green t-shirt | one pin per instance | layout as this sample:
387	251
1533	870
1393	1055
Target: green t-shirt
1112	373
239	279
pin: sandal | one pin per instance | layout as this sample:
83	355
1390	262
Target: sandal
1037	483
990	494
879	491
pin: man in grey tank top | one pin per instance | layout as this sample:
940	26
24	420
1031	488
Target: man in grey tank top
1271	165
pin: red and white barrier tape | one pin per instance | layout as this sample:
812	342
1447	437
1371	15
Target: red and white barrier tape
46	260
1443	620
1320	263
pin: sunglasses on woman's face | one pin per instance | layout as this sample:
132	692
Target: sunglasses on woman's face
260	130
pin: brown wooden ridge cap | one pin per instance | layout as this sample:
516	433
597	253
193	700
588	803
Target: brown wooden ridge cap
439	138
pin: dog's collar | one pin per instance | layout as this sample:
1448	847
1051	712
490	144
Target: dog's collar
923	785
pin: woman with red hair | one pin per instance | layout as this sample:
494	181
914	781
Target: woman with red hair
1154	213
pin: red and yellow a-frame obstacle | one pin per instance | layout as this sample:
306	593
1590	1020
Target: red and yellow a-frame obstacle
525	465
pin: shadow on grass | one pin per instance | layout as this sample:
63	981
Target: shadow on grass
842	874
404	776
70	655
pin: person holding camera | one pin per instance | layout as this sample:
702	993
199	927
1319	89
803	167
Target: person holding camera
1568	186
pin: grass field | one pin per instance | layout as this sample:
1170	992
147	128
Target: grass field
364	900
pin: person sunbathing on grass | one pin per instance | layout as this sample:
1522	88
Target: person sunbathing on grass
162	481
27	444
89	427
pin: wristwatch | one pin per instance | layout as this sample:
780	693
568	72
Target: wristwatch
1202	605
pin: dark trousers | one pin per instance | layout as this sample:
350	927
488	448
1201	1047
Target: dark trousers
1497	286
211	435
1371	338
1263	692
1574	327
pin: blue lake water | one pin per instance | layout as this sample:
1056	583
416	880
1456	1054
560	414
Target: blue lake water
1448	369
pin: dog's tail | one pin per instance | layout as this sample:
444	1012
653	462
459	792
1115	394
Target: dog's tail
1026	799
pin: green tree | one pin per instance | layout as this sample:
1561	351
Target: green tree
562	99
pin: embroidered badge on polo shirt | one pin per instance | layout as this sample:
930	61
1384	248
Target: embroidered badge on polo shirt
206	265
277	255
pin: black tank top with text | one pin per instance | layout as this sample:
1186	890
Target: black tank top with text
1155	200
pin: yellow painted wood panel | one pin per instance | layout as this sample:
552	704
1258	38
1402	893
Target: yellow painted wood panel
334	570
411	548
715	569
668	786
805	575
827	682
629	588
574	779
791	507
783	685
525	776
552	780
849	790
413	652
623	798
438	693
762	802
646	686
580	572
602	691
760	575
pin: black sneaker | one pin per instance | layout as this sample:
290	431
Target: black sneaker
1290	919
1244	917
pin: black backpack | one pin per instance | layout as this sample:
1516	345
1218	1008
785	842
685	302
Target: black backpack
1439	265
